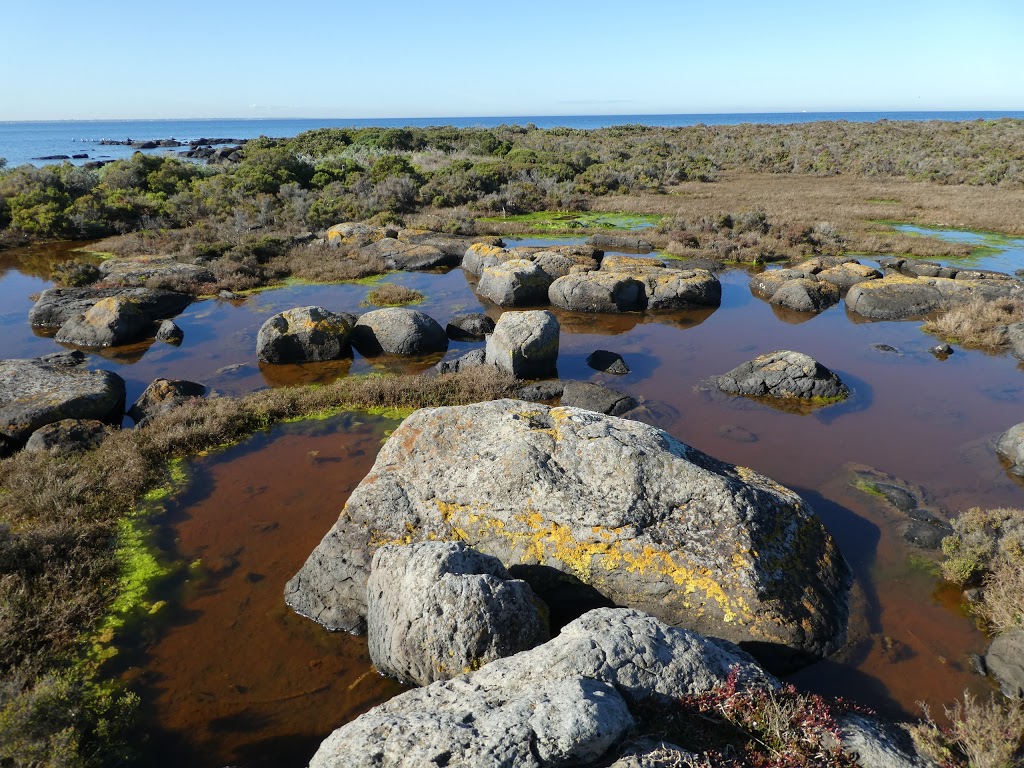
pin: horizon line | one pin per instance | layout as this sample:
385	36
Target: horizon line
510	116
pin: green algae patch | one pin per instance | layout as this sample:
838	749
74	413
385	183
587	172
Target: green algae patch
569	220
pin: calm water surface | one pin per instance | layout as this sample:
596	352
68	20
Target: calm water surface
229	675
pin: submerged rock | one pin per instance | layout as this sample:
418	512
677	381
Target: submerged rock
525	344
302	335
36	393
622	507
783	374
440	609
608	362
398	331
567	702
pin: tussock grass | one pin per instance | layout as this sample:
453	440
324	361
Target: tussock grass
979	323
391	295
58	536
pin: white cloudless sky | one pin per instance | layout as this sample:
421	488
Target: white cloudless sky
313	58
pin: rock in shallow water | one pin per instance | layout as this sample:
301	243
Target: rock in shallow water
622	507
525	344
304	334
398	331
567	702
440	609
783	374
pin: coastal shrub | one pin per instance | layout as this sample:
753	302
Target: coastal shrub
392	295
75	274
979	735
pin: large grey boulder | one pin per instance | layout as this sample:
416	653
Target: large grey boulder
56	306
620	506
480	255
681	289
845	276
1010	447
567	702
765	284
440	609
783	374
598	292
1004	660
109	322
515	283
525	344
34	393
302	335
398	331
806	295
898	296
163	395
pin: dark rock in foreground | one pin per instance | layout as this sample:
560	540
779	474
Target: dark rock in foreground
436	610
622	507
608	362
169	333
567	702
783	374
36	393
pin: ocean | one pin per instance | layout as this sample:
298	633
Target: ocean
23	142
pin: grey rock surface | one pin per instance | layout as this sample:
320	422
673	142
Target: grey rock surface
877	743
622	507
525	344
138	271
398	331
765	284
1004	660
805	295
169	333
681	289
594	397
567	702
56	306
783	374
109	322
67	436
607	362
469	326
541	390
1010	446
479	255
609	242
472	359
845	276
514	283
436	610
898	296
162	395
304	334
598	292
34	393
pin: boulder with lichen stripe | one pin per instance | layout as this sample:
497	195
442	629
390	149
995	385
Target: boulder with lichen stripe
525	344
304	334
643	519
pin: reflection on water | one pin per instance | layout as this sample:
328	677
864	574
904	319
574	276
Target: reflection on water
992	250
234	673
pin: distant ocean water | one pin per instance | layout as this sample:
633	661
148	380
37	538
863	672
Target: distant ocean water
20	142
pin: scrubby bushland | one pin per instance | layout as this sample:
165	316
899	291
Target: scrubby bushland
59	522
391	295
987	550
979	735
324	176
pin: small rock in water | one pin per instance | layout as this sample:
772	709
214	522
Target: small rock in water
739	434
609	362
885	348
942	351
469	326
472	359
229	295
170	332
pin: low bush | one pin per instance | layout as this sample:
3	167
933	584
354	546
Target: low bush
391	295
979	323
979	735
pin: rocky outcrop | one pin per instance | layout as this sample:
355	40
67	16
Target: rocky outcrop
138	271
440	609
783	374
469	326
567	702
1010	447
398	331
898	296
36	393
161	396
408	256
1004	661
849	274
681	289
622	507
598	292
594	397
480	255
108	323
805	295
525	344
67	436
302	335
609	242
56	306
515	283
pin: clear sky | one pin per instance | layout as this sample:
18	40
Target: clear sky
313	58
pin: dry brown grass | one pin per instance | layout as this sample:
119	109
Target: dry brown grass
321	263
980	735
391	295
979	323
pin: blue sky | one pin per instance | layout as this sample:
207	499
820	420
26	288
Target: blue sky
313	58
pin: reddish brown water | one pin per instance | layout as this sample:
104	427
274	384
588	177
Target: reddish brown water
232	675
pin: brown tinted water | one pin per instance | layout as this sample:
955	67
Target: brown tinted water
221	671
